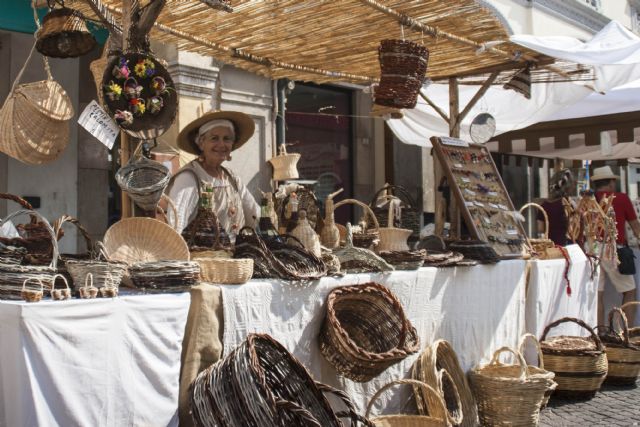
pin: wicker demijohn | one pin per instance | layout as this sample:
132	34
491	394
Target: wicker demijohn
261	384
506	394
580	364
397	420
64	34
306	235
403	65
365	331
622	356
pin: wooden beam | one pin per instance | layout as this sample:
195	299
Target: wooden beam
435	107
125	146
483	89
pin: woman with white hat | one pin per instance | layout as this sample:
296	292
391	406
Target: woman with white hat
604	182
213	137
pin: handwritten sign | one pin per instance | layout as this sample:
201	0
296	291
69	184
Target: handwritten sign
98	123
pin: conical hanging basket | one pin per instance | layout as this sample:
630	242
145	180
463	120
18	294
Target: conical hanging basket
64	34
144	181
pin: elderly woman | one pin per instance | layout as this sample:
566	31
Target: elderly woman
213	137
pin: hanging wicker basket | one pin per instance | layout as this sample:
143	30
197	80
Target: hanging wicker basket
144	180
622	356
285	165
365	331
403	65
580	364
64	34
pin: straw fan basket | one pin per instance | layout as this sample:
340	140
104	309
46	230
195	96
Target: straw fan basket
506	394
64	34
398	420
12	276
543	248
285	165
634	332
365	331
141	239
538	373
34	120
403	65
165	276
144	180
368	237
580	364
410	216
261	384
622	356
35	236
438	366
146	124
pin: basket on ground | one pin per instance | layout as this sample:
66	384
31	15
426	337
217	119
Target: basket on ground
580	364
622	356
634	332
538	373
365	331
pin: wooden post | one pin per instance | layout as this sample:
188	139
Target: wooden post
125	146
454	131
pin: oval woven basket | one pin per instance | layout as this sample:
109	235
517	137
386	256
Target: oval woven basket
141	239
580	364
261	384
365	331
232	271
622	356
506	395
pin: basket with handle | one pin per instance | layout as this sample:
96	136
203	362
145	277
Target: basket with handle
580	364
285	164
365	331
12	276
538	373
543	247
506	394
368	237
261	384
64	33
623	357
88	291
399	420
393	238
35	236
30	294
409	214
34	119
634	332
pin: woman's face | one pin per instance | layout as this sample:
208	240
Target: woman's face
216	144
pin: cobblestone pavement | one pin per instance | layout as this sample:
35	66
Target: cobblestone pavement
612	406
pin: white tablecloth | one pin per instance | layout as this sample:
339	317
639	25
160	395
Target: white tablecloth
104	362
478	309
547	298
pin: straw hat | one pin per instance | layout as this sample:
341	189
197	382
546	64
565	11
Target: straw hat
604	172
242	122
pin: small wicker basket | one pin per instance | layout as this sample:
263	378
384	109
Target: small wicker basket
216	269
634	332
538	373
622	356
29	294
369	237
543	248
285	165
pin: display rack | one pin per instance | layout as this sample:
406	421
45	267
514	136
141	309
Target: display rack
481	195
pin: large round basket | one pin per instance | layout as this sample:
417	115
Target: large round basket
13	276
261	384
506	395
141	239
148	124
580	364
622	356
538	373
365	331
64	34
398	420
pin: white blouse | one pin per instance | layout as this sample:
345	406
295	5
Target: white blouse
234	208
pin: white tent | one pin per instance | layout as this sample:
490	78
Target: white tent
614	53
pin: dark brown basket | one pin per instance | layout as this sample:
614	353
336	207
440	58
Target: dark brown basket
36	238
64	34
365	331
410	218
476	250
403	65
148	126
261	384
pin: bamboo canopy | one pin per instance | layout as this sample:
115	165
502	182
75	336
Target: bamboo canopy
335	41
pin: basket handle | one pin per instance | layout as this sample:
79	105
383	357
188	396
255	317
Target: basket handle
172	207
54	241
629	304
53	282
622	320
594	336
392	189
57	227
425	387
288	406
32	279
344	398
523	340
22	202
366	208
457	420
521	362
88	281
544	215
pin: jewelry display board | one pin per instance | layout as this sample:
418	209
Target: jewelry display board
481	195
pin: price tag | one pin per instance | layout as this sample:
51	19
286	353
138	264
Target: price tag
492	193
503	207
467	180
512	232
479	204
468	204
454	141
493	205
98	123
457	165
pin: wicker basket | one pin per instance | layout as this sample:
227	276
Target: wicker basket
369	237
11	255
475	249
34	120
29	294
140	239
60	294
12	276
538	373
359	260
64	34
438	367
165	276
261	384
580	364
88	291
506	394
285	165
410	215
365	331
543	248
144	180
403	65
396	420
35	235
622	356
230	271
634	332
